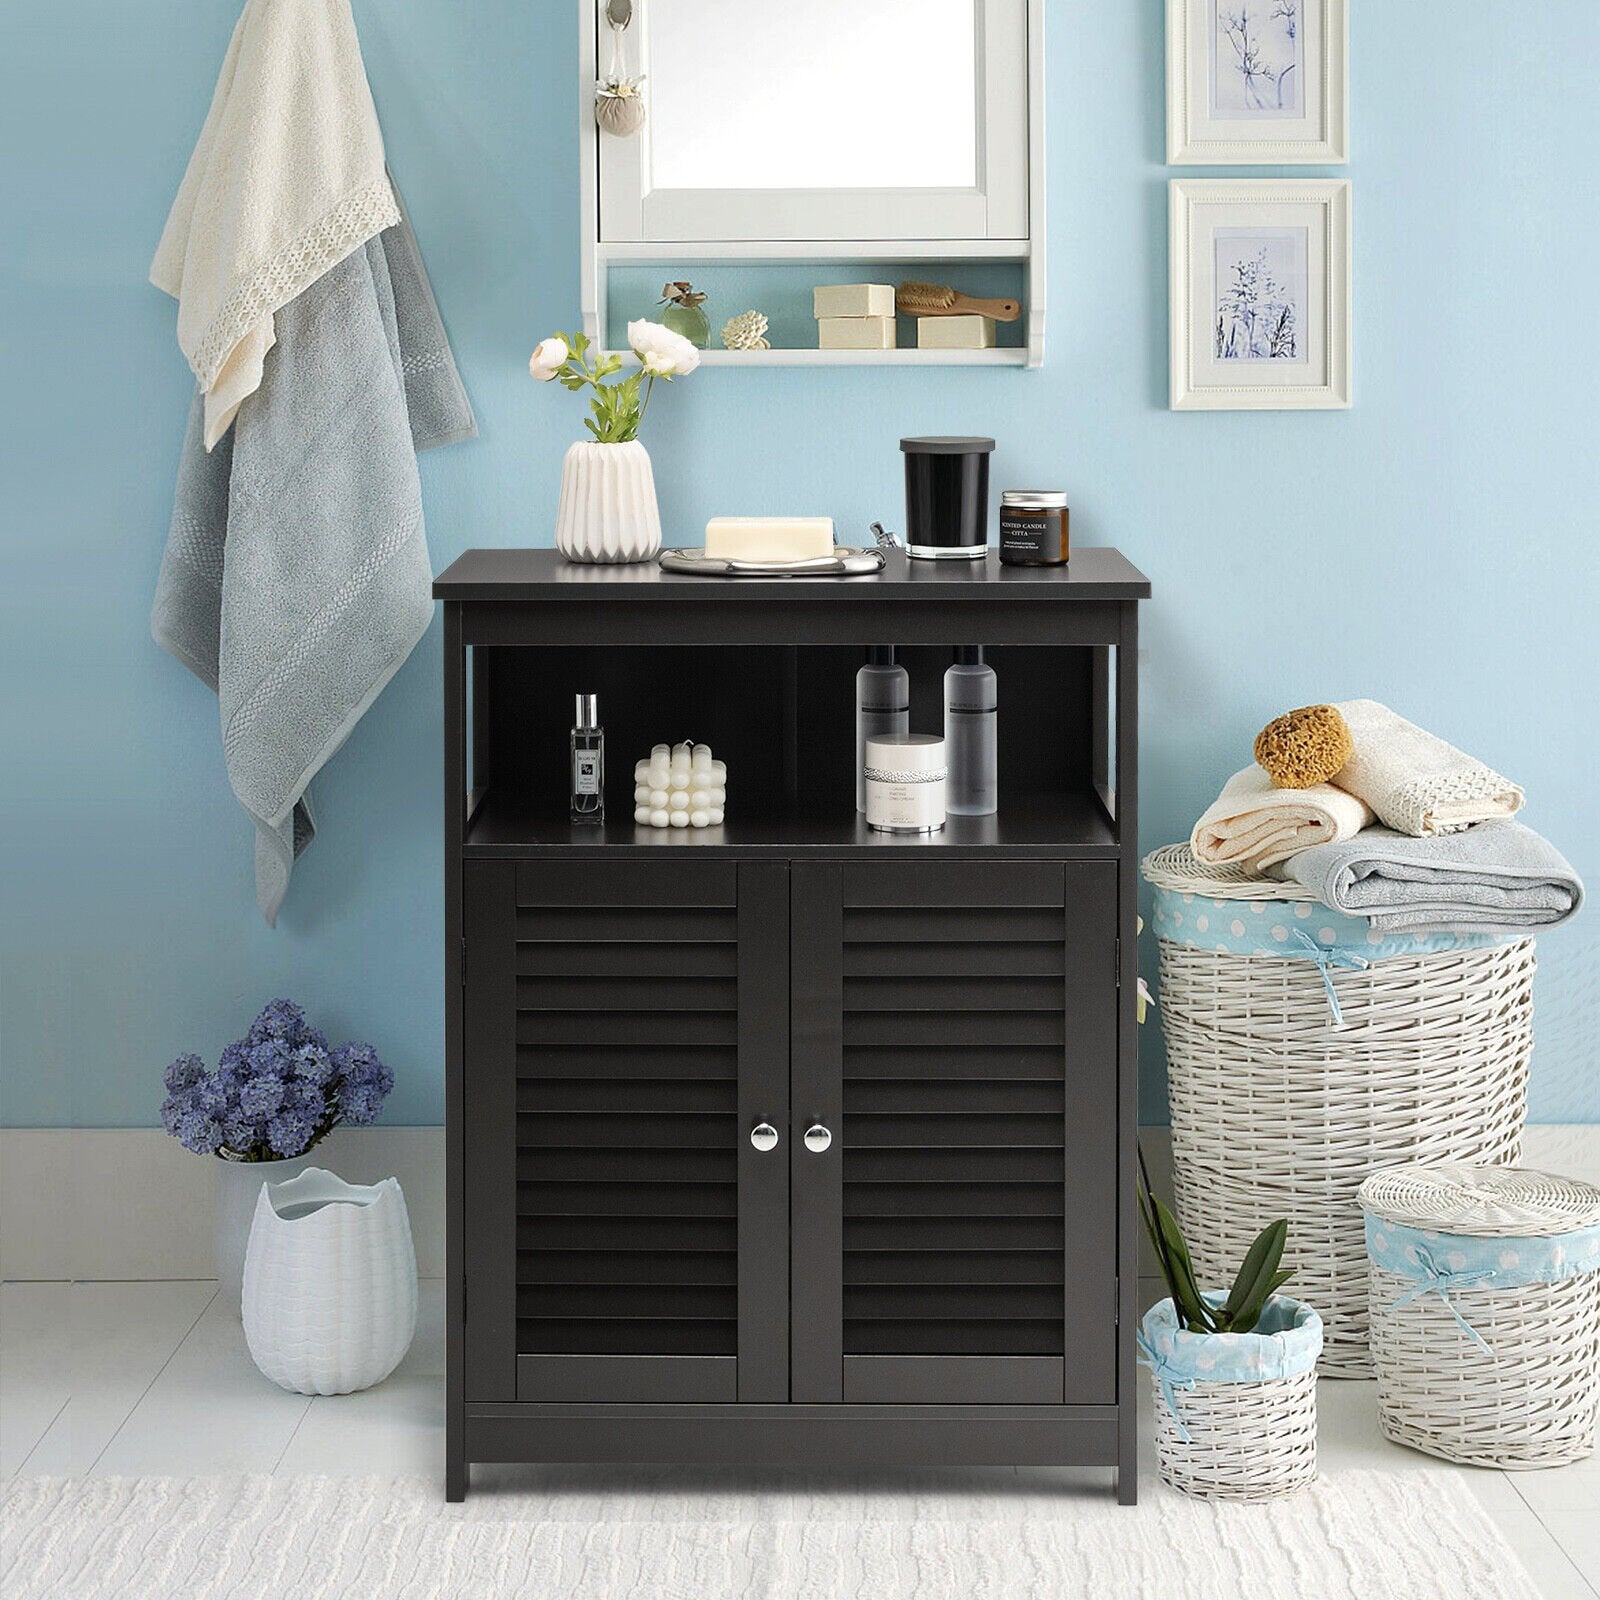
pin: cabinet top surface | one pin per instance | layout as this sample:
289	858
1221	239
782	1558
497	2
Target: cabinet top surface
1100	573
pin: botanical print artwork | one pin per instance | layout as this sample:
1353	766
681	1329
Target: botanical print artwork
1260	294
1258	58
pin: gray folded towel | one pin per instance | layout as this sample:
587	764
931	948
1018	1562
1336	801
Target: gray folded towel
1498	875
296	578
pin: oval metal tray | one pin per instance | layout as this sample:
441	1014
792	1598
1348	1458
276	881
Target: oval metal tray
847	561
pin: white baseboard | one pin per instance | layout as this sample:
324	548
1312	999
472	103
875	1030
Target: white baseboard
114	1203
110	1203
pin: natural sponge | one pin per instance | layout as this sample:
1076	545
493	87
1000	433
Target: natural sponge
1304	747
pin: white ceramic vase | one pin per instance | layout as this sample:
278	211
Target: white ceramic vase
238	1189
608	510
330	1283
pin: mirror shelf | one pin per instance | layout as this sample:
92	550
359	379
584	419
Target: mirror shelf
667	201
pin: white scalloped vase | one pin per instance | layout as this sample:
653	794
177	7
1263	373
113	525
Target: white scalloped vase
608	510
330	1283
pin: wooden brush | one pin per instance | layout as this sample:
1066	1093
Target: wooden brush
935	300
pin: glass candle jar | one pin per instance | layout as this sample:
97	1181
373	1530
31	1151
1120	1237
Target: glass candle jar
947	498
1033	528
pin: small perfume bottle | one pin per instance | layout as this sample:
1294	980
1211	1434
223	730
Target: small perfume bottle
588	762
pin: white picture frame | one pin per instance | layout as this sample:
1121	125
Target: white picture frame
1258	82
1260	274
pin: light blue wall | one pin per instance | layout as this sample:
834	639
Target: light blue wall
1434	547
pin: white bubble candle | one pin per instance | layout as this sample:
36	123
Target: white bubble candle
680	786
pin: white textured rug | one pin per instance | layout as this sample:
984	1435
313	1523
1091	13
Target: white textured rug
1359	1536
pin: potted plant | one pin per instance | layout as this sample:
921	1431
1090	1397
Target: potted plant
273	1096
1234	1375
608	510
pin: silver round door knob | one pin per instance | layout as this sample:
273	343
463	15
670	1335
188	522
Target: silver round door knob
764	1136
817	1138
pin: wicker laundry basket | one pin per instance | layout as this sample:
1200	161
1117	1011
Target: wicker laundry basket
1304	1054
1485	1287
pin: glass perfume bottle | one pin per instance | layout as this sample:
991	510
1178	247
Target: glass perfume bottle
969	732
685	313
588	762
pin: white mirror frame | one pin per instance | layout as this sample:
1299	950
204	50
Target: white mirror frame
1195	137
1017	205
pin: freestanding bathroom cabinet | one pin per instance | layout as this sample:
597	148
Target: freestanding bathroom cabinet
785	1141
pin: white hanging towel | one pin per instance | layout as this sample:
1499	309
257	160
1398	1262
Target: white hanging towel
287	180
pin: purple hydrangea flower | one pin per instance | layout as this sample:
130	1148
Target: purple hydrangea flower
260	1097
313	1063
184	1073
199	1133
276	1091
289	1133
279	1019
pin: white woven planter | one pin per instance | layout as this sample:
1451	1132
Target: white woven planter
1485	1372
1278	1112
330	1283
608	511
1251	1439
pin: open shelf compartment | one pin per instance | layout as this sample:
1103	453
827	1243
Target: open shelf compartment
783	718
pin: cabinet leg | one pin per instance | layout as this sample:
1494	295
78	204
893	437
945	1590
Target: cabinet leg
456	1473
1127	1485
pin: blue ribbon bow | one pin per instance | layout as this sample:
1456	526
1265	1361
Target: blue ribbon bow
1443	1281
1325	959
1168	1376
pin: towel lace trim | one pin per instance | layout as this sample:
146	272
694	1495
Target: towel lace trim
296	267
1409	807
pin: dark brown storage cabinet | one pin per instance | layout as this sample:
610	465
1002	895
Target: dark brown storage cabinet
787	1142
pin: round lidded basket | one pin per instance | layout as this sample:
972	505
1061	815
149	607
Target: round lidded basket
1304	1054
1485	1286
1236	1413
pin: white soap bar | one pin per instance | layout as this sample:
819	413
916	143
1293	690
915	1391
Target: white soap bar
769	538
853	300
955	333
855	333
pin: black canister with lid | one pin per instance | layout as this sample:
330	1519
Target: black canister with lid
947	497
1033	528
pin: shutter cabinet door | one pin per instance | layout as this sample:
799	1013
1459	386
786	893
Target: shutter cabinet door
627	1027
955	1031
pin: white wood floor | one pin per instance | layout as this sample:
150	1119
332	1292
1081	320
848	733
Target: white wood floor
131	1378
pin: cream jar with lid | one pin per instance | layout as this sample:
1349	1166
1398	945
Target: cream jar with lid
905	783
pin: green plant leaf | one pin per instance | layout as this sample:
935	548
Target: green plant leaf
1250	1313
1261	1261
1190	1303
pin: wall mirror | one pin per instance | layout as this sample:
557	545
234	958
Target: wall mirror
840	128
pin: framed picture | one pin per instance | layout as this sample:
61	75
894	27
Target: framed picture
1260	273
1261	82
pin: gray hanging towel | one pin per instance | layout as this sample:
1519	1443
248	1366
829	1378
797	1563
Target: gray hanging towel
296	578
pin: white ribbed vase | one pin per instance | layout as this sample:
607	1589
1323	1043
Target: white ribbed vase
330	1283
608	509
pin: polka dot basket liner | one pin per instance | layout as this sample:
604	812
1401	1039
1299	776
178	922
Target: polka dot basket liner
1485	1304
1205	907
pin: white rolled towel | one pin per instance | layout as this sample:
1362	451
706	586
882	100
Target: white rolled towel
1253	825
1413	780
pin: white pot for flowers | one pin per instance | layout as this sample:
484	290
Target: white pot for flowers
330	1283
238	1189
608	510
